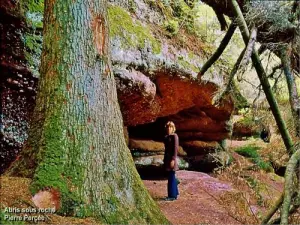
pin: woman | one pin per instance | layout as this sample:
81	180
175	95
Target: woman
170	163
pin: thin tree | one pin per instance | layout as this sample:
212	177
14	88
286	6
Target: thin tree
76	144
288	192
292	88
263	79
219	51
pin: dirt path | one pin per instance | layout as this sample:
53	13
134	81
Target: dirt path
199	200
200	194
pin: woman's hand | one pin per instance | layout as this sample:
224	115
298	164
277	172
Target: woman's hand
172	164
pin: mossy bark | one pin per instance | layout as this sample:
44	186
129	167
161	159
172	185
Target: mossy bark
288	185
263	79
276	113
230	84
292	88
273	210
76	143
219	51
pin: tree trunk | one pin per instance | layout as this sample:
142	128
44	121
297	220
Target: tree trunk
288	186
265	25
249	49
293	210
76	143
273	210
221	19
292	88
273	105
219	51
230	82
263	80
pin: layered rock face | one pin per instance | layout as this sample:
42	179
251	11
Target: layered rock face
155	79
17	85
200	125
155	86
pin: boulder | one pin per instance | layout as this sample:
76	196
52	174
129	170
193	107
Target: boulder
175	97
246	127
146	145
150	146
157	160
194	148
204	136
18	84
208	162
191	124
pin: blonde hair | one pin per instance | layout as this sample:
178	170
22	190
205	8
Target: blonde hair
170	124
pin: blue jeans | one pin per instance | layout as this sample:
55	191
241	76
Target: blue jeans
172	185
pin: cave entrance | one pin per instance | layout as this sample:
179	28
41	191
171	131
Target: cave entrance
147	148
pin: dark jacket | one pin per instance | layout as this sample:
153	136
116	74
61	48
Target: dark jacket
171	148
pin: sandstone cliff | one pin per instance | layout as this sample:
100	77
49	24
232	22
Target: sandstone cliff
155	62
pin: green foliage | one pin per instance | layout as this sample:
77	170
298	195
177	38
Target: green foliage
255	185
248	151
247	121
178	11
33	6
206	24
33	11
276	13
172	26
132	6
251	152
133	33
266	166
179	8
33	51
185	15
239	100
5	221
186	64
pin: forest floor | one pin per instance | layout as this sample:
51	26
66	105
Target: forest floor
235	195
198	202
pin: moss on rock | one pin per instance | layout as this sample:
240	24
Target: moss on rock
185	63
172	26
133	33
33	51
32	11
239	100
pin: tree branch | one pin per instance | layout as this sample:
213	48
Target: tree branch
219	51
291	212
275	88
292	88
262	49
263	79
274	69
271	212
248	52
275	110
221	19
230	80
